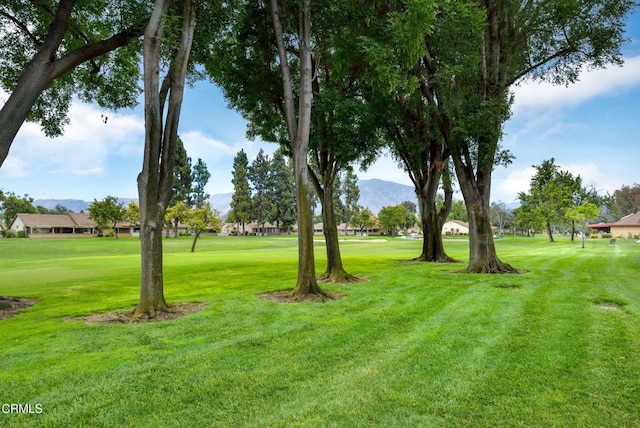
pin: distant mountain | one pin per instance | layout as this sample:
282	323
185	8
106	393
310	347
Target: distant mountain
75	205
221	202
376	194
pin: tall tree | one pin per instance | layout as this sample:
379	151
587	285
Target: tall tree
259	174
201	176
407	86
281	193
343	132
181	197
161	133
299	127
550	41
241	199
351	193
552	191
182	176
52	51
252	81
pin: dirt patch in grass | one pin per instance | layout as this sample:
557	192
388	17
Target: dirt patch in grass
10	306
282	296
177	310
610	304
508	286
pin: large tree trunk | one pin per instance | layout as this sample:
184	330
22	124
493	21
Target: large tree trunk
432	222
476	190
152	298
335	271
44	68
156	178
306	285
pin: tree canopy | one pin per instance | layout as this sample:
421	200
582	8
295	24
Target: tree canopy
53	51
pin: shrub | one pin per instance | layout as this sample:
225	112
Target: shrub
21	234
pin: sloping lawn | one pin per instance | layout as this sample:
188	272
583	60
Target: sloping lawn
415	345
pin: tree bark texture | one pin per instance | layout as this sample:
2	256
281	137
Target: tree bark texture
483	257
156	178
44	68
335	271
306	285
432	222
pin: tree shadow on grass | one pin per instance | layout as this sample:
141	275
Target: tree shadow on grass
11	306
177	310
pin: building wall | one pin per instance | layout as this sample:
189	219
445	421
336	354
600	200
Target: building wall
17	225
625	231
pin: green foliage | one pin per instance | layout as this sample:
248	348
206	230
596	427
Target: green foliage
393	218
132	215
458	211
551	193
260	175
627	200
107	212
362	218
201	176
282	196
110	80
12	204
241	199
351	193
182	176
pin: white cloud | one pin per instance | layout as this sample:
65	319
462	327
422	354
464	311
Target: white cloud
84	149
507	186
200	145
592	175
515	181
544	96
89	171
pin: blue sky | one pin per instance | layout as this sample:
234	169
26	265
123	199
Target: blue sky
591	128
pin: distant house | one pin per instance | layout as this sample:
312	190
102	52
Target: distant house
626	227
601	227
71	224
349	229
455	227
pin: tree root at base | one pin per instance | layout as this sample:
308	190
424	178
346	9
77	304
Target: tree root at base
339	277
444	259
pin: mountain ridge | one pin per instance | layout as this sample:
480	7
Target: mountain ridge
374	194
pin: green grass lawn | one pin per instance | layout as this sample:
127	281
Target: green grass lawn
415	345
